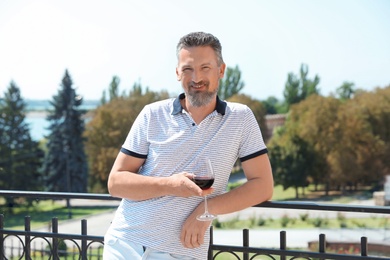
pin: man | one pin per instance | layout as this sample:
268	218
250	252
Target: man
153	171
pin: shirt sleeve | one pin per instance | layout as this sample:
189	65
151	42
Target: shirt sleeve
136	143
252	143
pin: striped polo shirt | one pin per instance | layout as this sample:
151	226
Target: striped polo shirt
169	140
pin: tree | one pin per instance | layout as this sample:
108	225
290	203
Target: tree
20	156
362	156
299	88
65	165
113	90
274	106
346	90
231	83
108	128
291	160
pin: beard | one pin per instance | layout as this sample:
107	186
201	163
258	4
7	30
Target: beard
200	98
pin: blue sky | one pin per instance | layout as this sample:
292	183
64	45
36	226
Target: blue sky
340	40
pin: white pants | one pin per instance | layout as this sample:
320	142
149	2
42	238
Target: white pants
118	249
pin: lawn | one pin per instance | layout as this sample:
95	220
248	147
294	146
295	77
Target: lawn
42	212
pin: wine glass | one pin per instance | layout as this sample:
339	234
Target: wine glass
204	178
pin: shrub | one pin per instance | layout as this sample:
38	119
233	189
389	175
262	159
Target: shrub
304	216
284	220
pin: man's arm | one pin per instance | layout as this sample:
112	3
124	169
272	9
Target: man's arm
257	189
125	182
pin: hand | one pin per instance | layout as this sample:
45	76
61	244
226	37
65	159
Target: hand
181	185
193	231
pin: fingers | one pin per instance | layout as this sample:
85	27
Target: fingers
192	240
189	175
181	185
193	231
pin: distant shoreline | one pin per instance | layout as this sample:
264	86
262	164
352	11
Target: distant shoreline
37	114
44	114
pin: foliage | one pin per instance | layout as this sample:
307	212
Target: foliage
363	124
341	143
65	165
345	91
20	156
231	84
108	128
274	106
292	163
113	90
298	88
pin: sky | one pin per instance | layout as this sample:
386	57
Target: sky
339	40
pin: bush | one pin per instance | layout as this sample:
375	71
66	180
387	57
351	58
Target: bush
285	220
319	222
304	216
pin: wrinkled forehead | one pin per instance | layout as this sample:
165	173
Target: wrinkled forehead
197	55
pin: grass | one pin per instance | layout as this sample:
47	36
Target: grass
336	197
309	223
43	211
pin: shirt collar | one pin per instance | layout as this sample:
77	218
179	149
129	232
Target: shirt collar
177	108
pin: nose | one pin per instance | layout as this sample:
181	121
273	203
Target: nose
196	76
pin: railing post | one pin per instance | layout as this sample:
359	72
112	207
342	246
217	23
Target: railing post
54	224
322	244
2	256
363	246
245	242
283	244
83	240
27	241
210	253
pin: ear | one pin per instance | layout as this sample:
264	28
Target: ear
178	76
222	70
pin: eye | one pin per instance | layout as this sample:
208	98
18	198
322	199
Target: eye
186	69
205	68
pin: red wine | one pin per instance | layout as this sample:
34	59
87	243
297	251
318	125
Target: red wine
203	182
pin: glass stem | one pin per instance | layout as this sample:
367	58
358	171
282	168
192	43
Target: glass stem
206	211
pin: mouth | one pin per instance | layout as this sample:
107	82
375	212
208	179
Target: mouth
199	85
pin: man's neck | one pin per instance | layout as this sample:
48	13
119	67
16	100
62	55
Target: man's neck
198	113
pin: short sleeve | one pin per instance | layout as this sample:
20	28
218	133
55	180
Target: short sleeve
252	143
136	142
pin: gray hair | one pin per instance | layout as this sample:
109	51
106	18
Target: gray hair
196	39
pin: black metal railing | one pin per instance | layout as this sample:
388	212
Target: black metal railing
28	244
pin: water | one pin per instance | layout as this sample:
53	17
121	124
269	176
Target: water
37	117
38	126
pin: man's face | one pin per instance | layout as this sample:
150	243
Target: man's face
199	74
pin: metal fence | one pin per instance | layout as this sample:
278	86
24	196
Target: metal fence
28	244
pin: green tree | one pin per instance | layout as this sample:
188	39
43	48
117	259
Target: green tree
298	88
231	84
291	160
107	130
113	90
314	121
346	90
65	165
274	106
20	156
362	156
